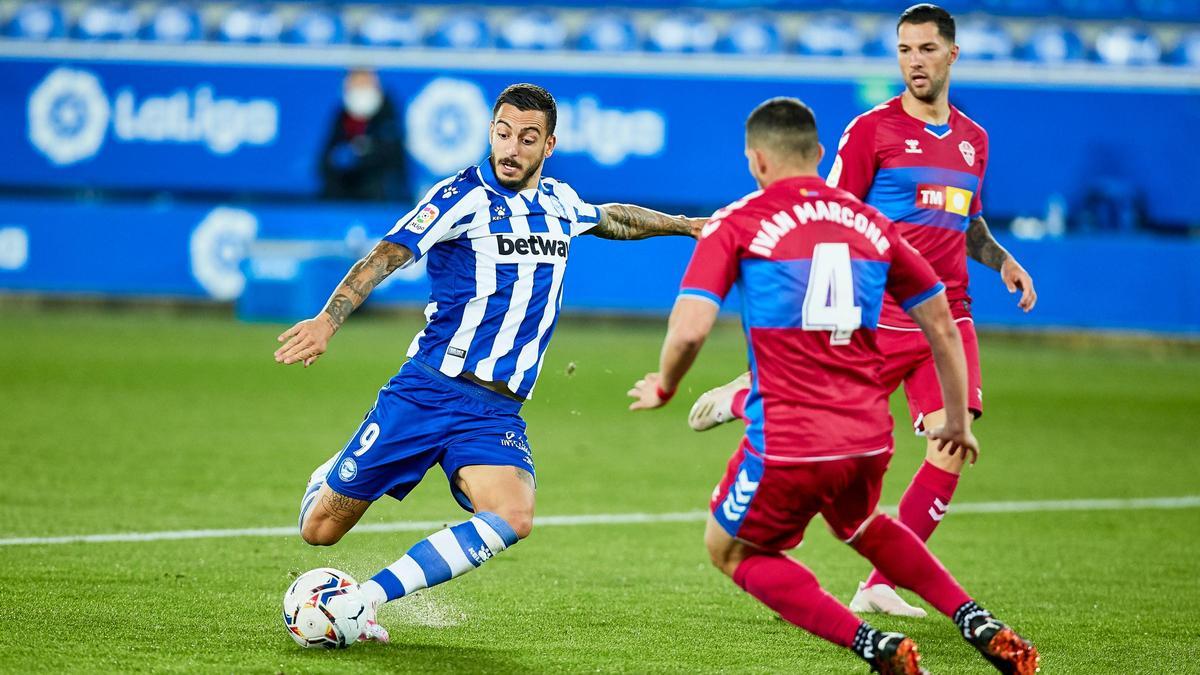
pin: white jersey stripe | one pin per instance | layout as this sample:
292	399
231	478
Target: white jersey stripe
485	285
530	354
522	292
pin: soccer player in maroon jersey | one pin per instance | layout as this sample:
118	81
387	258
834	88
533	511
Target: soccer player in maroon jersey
921	162
812	264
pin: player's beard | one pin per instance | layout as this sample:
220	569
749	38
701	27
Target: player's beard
932	92
515	183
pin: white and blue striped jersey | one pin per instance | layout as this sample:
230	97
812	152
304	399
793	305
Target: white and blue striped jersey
496	259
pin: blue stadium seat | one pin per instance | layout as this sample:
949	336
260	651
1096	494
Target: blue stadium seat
751	35
532	30
1124	45
107	21
1095	9
881	42
390	28
462	30
173	23
1178	11
830	35
894	7
250	23
36	21
1187	51
316	26
608	31
1052	43
682	32
983	40
1038	8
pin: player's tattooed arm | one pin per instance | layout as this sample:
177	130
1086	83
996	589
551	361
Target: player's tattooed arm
362	278
306	341
982	246
626	221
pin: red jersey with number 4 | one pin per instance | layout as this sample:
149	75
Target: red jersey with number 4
924	177
812	264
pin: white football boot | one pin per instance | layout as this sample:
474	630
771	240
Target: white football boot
883	599
715	406
371	630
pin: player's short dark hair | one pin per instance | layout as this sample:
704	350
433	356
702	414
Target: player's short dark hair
525	96
784	125
927	13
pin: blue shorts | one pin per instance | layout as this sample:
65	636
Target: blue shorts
422	418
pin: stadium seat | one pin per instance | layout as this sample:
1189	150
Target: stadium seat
36	21
983	40
107	21
1187	51
532	30
831	35
173	23
1035	8
751	35
390	28
608	32
894	7
1095	9
462	30
1178	11
682	32
1122	45
316	26
1052	43
250	23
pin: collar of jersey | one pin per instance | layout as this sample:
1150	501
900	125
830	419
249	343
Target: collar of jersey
488	176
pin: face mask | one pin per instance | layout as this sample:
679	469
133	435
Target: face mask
362	102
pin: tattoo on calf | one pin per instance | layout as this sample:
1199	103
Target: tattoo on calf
340	508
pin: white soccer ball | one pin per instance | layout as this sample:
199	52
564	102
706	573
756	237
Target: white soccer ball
323	608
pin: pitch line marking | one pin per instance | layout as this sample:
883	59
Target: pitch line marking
1187	502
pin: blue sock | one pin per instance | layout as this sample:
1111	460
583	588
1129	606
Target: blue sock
442	556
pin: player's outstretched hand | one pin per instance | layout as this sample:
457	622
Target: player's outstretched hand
305	342
951	441
1017	279
646	393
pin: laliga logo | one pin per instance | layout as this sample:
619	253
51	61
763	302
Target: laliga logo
68	116
448	125
217	248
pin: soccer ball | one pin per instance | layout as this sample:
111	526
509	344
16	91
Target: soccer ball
322	608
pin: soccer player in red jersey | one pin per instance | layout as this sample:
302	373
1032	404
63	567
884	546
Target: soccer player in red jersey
921	162
812	264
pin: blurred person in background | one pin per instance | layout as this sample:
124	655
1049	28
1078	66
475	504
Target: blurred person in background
363	159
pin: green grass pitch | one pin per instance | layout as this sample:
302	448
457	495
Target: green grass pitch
152	421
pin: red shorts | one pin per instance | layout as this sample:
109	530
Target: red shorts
769	504
907	359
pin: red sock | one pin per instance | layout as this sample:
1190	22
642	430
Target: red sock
789	588
923	506
894	549
738	405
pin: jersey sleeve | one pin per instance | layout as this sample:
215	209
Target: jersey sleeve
583	216
854	167
911	280
432	220
714	264
977	200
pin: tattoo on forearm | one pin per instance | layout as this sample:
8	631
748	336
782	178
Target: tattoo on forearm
982	247
626	221
362	278
340	508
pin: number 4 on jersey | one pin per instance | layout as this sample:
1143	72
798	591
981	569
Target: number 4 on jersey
829	301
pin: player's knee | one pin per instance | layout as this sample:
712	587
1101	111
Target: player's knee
723	556
519	519
316	532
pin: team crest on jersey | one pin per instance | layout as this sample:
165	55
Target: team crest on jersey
968	152
424	219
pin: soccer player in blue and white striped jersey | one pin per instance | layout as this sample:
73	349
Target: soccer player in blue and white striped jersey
497	238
